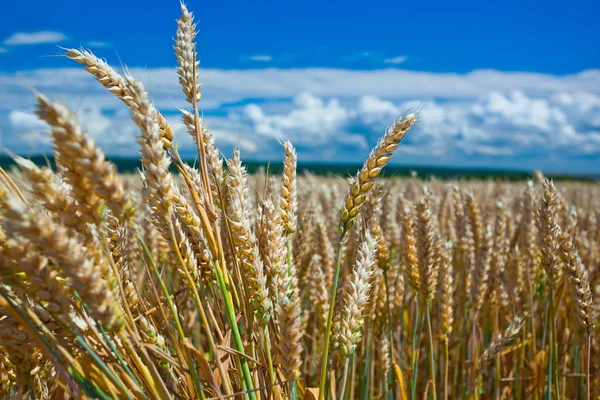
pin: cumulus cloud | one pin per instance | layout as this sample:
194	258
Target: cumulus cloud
23	132
395	60
504	127
313	121
373	109
483	118
23	120
29	38
229	86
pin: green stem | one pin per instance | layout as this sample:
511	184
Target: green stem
110	344
110	374
588	387
120	359
203	319
344	379
294	391
236	334
112	347
431	350
269	359
178	326
334	286
446	368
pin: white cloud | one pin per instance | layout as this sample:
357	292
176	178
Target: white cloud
495	127
261	58
517	120
395	60
229	86
25	133
373	109
27	38
3	50
23	120
312	121
235	85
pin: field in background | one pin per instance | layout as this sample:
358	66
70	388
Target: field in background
445	287
126	165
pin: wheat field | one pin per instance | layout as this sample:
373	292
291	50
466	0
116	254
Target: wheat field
205	282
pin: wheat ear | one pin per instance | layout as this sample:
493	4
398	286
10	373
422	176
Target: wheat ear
84	163
244	240
365	179
349	321
185	51
428	247
409	246
447	291
73	258
119	86
578	278
548	232
499	343
288	202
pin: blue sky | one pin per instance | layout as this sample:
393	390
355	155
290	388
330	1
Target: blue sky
504	85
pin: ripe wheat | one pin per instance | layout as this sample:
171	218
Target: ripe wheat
213	283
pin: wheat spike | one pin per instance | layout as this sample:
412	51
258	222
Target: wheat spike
428	247
349	321
84	164
409	246
447	291
119	86
578	278
238	212
185	50
365	179
500	342
73	258
287	201
548	232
